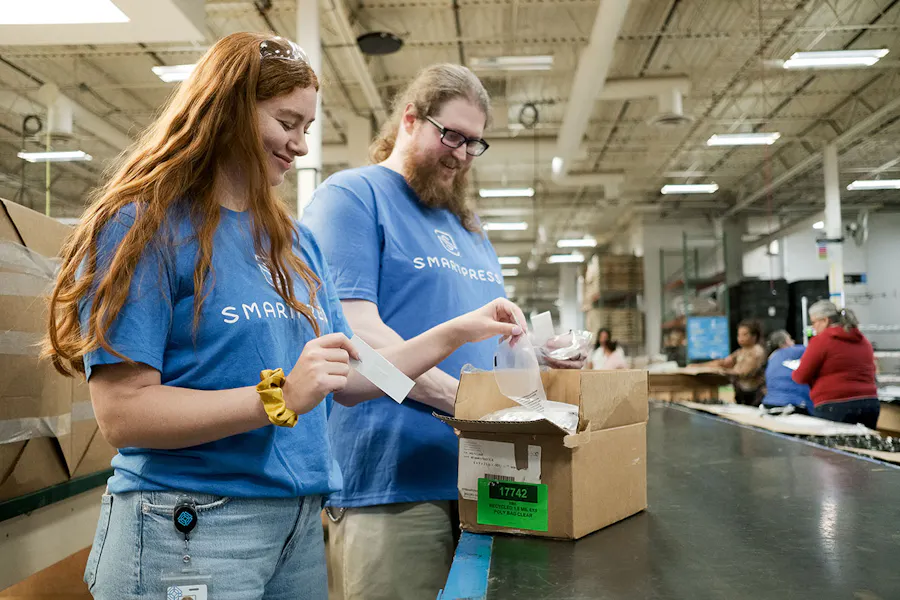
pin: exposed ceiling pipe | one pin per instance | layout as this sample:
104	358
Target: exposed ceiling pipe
88	121
669	92
801	224
511	151
357	61
848	137
590	76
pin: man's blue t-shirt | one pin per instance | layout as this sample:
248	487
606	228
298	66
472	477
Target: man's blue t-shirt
781	389
422	268
245	327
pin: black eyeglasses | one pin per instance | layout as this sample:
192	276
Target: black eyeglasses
454	139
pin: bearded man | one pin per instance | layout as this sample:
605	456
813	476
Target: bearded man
406	252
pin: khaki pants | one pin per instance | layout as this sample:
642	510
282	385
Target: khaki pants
391	552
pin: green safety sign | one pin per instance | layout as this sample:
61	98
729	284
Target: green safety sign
512	504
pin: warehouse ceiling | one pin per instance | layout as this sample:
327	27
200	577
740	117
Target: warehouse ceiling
657	79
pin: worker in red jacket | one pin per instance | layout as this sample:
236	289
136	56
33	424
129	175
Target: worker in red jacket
839	367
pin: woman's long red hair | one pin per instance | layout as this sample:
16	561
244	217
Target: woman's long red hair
211	119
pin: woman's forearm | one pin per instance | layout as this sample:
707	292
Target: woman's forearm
165	418
413	358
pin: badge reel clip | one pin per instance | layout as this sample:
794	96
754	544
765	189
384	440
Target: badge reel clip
186	583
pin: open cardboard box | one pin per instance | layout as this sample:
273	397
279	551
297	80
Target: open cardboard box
48	433
687	386
534	478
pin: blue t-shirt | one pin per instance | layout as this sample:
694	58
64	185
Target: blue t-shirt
781	390
422	268
245	327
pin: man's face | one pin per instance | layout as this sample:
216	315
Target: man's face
435	171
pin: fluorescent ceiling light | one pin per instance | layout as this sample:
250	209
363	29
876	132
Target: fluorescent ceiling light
506	193
513	63
819	225
585	242
510	260
60	12
575	257
743	139
690	188
64	156
172	73
835	58
522	226
556	164
510	272
875	184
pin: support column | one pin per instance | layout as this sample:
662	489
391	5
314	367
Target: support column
359	136
833	226
569	305
309	167
733	230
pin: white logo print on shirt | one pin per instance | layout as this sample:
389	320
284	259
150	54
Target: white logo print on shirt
447	242
269	310
265	269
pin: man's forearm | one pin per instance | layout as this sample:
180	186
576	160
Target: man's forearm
435	388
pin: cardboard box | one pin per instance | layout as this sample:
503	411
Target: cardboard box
686	387
47	428
889	418
563	486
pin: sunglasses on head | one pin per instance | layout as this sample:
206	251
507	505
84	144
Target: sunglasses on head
282	48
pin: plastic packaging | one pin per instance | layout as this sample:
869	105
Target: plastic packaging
518	373
573	345
559	413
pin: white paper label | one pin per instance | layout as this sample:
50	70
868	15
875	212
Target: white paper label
542	326
493	460
377	369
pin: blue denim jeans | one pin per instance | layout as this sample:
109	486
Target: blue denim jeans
253	549
863	411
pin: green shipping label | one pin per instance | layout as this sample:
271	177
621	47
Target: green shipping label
513	505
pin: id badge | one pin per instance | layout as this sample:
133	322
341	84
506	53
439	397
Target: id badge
188	584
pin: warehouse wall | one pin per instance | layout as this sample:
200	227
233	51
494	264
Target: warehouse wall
878	301
655	237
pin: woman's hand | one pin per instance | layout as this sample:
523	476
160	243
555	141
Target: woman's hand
322	369
500	317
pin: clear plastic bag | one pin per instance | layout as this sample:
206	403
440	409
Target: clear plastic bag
570	346
561	414
518	373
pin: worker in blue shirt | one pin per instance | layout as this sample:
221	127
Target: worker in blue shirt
780	388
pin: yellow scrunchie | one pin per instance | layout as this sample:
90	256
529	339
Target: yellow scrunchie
272	397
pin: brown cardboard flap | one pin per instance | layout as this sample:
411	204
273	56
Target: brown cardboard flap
613	398
39	466
525	427
40	233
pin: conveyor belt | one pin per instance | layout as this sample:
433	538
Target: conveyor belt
735	513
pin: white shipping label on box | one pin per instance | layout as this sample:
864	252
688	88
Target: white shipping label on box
482	459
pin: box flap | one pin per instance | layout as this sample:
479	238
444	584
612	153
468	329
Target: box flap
613	398
526	427
38	232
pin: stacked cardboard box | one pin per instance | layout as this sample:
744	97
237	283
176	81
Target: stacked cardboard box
48	433
626	324
612	274
533	478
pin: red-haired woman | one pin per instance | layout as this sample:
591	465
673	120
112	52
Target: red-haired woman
186	284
